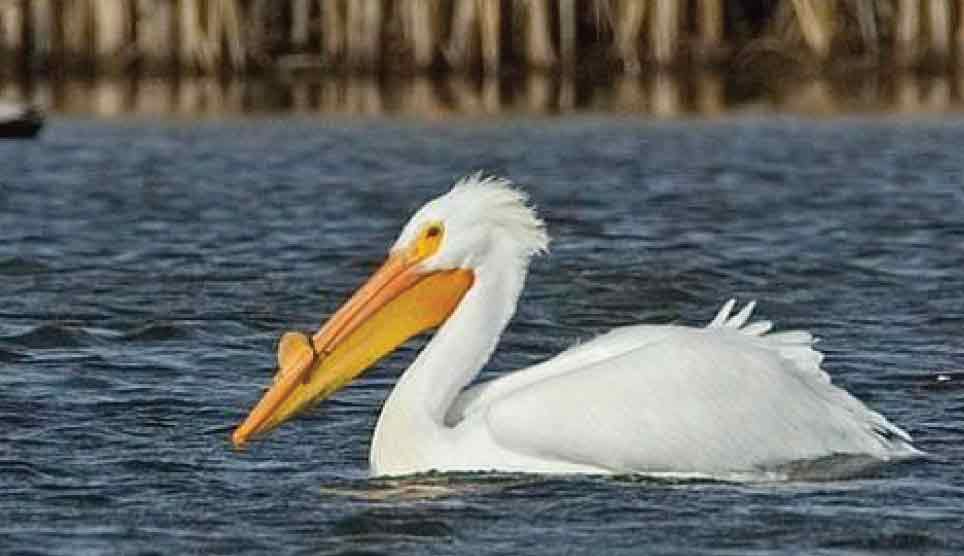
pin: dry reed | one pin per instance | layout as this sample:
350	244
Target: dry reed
376	36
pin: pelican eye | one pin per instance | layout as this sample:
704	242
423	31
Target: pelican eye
429	241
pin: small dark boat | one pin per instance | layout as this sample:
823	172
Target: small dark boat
19	121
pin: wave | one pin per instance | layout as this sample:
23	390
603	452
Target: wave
20	266
52	336
887	541
157	332
11	356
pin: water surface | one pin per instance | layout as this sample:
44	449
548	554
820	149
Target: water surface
147	270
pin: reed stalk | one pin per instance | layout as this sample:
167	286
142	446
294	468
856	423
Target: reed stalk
107	97
11	26
188	96
939	27
364	30
225	32
629	95
300	97
538	93
464	25
907	95
939	95
41	29
865	12
465	98
260	19
155	32
333	29
234	99
602	15
816	20
960	33
627	28
300	23
419	97
475	29
153	96
76	29
419	19
710	99
362	96
908	30
665	95
110	26
234	33
568	26
539	50
211	30
567	93
814	97
664	30
189	37
711	24
490	19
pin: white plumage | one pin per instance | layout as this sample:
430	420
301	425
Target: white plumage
727	399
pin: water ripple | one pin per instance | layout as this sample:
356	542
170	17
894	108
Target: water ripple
21	266
150	270
158	332
51	336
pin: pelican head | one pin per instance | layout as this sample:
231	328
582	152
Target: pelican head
434	262
477	214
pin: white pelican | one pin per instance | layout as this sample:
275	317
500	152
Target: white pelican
728	398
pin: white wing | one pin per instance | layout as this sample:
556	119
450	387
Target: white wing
729	397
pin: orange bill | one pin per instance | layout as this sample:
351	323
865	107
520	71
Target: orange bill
399	301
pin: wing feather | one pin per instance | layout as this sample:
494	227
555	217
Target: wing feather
671	398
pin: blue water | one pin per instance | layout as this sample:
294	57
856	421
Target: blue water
147	270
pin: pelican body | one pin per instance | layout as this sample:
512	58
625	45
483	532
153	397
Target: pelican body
724	399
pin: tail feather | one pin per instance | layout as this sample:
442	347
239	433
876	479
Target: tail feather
720	319
758	328
796	346
744	315
725	319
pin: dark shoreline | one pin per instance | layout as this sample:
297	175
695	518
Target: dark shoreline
663	94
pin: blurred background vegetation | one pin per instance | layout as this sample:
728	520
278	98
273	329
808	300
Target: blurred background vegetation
437	57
